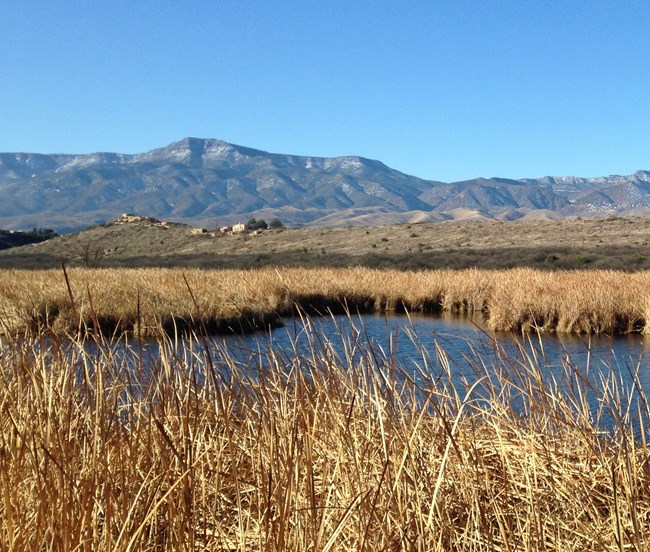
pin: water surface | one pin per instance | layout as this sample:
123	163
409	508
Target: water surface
425	348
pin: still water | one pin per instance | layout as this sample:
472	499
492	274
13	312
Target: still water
601	370
607	370
411	341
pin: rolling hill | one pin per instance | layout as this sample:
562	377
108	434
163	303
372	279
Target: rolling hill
608	242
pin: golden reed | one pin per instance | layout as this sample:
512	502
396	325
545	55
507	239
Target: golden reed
309	448
146	300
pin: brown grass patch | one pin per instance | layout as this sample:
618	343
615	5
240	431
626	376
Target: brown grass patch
143	301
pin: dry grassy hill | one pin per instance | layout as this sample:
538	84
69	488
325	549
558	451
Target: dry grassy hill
621	243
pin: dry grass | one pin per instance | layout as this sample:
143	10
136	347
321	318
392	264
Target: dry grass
620	243
144	301
334	448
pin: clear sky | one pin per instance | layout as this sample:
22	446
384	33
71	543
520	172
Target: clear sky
445	90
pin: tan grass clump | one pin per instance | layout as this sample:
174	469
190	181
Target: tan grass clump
600	301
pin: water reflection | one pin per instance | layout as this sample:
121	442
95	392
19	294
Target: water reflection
417	348
418	343
422	348
405	337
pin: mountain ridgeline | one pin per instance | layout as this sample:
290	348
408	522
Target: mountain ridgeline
211	182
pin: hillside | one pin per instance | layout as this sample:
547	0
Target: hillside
211	182
619	243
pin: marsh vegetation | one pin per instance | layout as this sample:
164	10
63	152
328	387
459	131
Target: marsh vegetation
330	448
326	445
146	301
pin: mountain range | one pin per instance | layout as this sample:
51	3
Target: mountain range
208	182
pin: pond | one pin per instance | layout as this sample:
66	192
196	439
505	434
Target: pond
461	339
608	374
601	370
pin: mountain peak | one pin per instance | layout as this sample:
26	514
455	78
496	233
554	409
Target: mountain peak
188	150
199	143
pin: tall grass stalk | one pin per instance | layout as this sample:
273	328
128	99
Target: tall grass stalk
329	446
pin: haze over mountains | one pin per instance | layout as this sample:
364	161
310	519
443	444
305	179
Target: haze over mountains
210	182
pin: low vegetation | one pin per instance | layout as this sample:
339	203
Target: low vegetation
329	447
144	301
615	243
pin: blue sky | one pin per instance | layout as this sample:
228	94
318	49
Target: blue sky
444	90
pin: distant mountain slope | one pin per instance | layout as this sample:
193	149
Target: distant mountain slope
210	182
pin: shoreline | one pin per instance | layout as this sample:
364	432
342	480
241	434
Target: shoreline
149	302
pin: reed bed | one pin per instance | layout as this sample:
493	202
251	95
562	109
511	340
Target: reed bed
332	446
145	301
